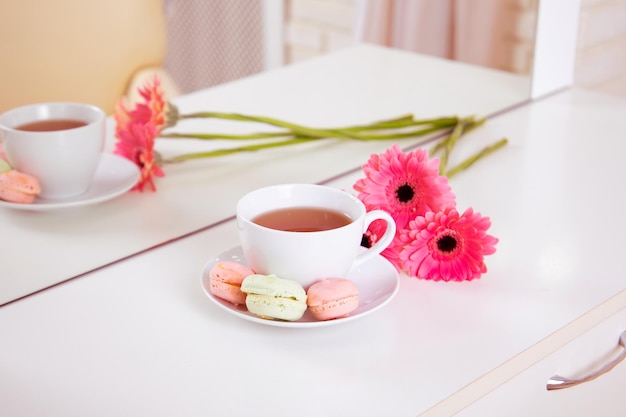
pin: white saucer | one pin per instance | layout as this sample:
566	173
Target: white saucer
377	281
115	175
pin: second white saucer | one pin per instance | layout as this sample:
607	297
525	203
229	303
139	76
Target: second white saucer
115	175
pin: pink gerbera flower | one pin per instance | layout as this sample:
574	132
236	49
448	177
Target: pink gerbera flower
446	246
122	118
404	184
137	144
374	232
136	130
153	109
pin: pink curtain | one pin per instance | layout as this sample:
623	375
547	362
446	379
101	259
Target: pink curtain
480	32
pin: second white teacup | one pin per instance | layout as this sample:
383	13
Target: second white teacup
60	144
306	232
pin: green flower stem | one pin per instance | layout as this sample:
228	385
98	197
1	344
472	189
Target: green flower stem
173	116
296	134
472	159
405	121
448	145
473	124
404	135
295	128
402	121
469	124
273	135
210	136
249	148
350	132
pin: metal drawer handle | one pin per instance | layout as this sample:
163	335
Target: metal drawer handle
559	382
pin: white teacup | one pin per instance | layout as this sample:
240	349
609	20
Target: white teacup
62	147
306	256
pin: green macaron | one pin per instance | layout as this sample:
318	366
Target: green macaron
271	297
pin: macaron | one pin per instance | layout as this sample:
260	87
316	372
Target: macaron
17	187
271	297
332	298
225	280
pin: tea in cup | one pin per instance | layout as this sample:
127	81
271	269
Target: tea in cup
306	232
59	143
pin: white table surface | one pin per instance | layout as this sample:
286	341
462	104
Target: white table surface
359	85
139	337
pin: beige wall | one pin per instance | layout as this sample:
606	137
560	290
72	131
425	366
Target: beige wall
315	27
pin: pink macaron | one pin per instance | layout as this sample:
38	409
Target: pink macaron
225	280
332	298
17	187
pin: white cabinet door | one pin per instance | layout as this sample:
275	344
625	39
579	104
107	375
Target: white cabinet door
527	394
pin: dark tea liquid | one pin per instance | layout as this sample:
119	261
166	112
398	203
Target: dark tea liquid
302	219
51	125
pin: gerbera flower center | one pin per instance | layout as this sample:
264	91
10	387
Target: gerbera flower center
446	244
405	193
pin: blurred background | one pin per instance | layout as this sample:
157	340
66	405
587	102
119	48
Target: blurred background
96	50
493	33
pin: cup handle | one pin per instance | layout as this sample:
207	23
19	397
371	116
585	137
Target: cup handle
385	239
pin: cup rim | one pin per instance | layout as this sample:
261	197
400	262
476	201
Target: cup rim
249	219
99	113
